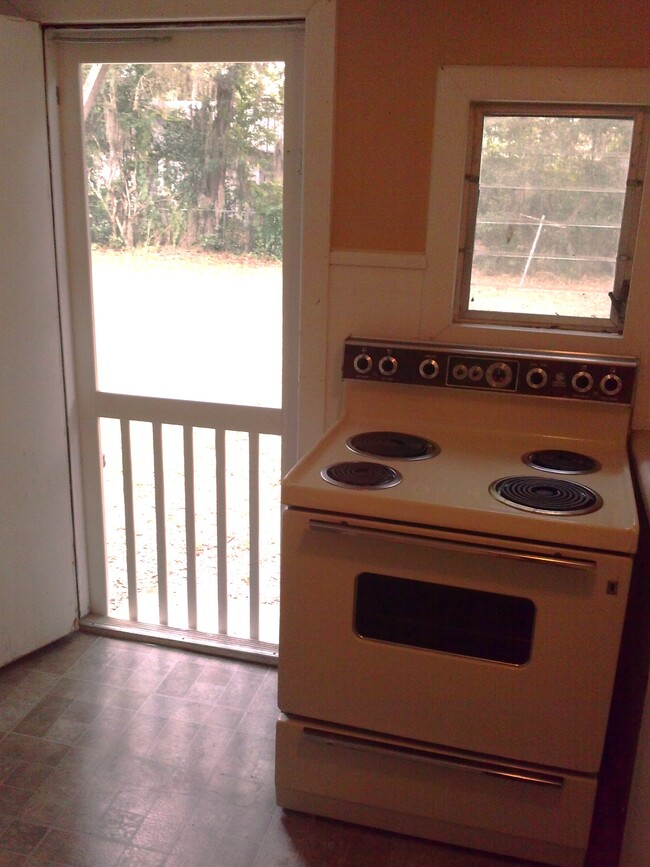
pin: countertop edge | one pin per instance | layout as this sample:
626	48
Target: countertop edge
640	450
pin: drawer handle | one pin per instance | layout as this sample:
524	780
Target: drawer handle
479	766
445	545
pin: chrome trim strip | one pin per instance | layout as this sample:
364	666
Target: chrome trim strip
480	766
347	529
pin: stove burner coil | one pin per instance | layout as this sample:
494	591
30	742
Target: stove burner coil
392	444
545	496
561	461
361	474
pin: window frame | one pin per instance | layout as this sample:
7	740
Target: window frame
457	87
628	231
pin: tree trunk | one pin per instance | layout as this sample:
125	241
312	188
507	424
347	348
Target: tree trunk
92	85
212	198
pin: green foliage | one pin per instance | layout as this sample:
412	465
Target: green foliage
267	202
187	155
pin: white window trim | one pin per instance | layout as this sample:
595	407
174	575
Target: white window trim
457	88
157	11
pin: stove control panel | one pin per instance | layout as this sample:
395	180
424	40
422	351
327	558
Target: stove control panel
560	375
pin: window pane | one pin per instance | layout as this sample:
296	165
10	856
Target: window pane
185	191
548	219
455	620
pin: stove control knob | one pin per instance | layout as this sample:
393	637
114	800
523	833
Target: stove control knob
387	365
362	363
537	377
429	368
582	381
499	374
611	384
459	371
475	373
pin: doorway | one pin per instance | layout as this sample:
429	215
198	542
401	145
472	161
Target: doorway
182	188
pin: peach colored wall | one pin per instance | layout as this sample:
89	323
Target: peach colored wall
387	55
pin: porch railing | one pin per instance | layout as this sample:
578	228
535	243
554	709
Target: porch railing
141	423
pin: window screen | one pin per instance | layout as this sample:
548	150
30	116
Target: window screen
550	212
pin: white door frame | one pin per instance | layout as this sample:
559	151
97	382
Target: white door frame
309	361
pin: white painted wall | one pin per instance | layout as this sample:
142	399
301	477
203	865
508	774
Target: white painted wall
38	598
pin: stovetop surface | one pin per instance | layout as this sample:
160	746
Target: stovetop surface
481	437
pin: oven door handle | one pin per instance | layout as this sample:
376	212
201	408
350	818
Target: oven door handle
479	766
415	538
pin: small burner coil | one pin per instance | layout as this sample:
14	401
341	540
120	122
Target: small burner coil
392	444
545	496
561	461
361	474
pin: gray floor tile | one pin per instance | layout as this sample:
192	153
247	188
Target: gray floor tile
118	753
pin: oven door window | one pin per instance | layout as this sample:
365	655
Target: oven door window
456	620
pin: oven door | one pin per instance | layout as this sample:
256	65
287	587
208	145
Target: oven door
479	644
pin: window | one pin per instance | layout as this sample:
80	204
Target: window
536	203
551	205
466	622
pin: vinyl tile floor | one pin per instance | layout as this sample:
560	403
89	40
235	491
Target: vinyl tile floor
118	753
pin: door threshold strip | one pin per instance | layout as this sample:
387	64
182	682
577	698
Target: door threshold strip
246	649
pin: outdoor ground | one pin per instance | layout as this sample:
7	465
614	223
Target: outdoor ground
190	327
543	294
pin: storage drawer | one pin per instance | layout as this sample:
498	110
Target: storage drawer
468	801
